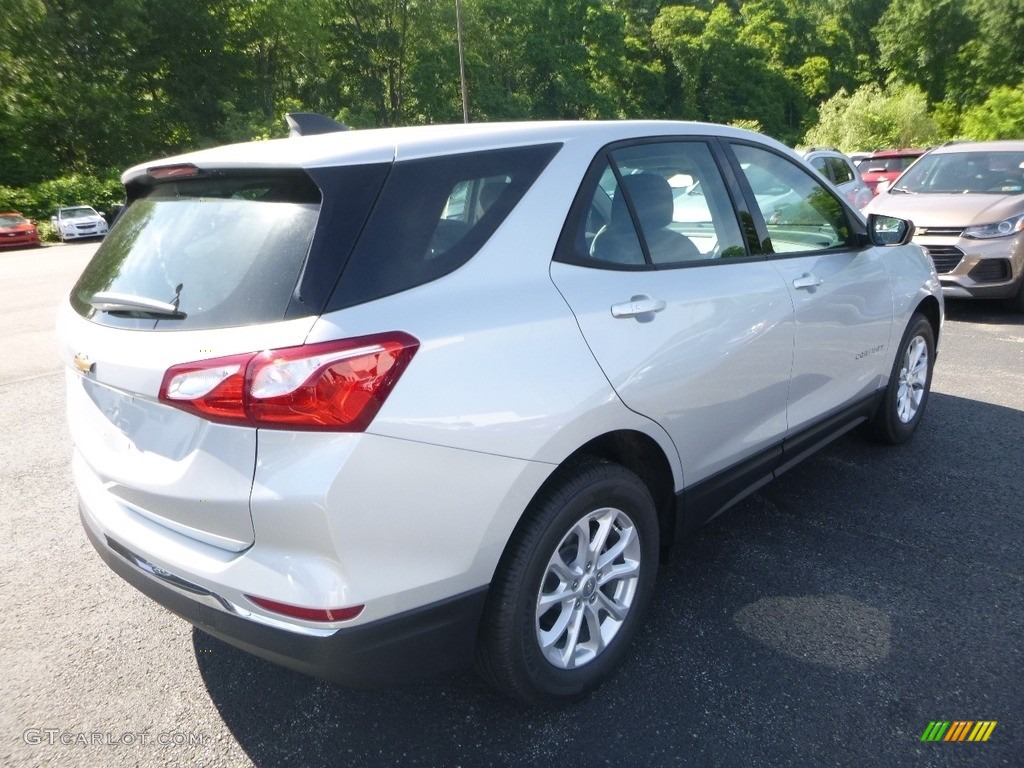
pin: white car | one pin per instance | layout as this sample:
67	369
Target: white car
377	402
77	222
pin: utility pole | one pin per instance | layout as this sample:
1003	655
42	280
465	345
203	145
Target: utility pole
462	62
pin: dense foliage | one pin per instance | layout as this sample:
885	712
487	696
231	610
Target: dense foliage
91	86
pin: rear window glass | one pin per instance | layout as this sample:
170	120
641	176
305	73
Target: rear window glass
224	250
433	215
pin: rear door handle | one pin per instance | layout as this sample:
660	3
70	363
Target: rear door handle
638	305
807	281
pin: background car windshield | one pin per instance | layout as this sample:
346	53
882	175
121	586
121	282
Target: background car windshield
7	221
993	173
71	213
235	245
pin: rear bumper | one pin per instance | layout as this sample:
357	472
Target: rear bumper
434	638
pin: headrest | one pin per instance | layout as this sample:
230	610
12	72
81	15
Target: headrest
651	196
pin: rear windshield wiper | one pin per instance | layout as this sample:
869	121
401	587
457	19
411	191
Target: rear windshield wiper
111	301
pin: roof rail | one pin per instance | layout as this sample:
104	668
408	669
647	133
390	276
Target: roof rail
310	124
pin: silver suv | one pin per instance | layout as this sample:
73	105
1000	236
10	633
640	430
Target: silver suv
375	402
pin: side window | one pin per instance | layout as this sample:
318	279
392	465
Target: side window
841	170
468	201
800	213
820	164
658	204
433	215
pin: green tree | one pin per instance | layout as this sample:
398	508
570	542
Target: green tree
1000	116
870	117
728	72
919	42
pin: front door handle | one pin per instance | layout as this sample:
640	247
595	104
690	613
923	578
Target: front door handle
807	281
638	305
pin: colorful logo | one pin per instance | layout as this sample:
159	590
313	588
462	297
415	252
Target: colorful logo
958	730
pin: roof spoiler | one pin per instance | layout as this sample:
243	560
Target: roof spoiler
310	124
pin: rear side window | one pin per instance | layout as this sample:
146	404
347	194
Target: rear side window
841	171
433	215
224	249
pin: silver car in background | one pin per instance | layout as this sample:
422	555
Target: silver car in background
369	403
842	171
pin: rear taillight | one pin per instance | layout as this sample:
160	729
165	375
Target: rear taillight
336	386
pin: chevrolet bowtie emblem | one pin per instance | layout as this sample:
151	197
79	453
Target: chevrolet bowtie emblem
83	363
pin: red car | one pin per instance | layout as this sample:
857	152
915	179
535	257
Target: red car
887	165
16	231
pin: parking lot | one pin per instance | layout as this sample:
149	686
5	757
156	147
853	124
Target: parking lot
825	621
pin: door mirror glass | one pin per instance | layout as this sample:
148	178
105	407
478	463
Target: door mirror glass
888	230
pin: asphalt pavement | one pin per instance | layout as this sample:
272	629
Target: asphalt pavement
825	621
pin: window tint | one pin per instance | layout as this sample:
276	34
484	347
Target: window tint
820	164
840	170
432	216
888	164
800	213
657	204
226	250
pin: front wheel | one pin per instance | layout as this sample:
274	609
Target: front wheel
572	585
909	384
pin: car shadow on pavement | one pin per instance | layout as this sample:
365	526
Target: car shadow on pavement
996	311
863	594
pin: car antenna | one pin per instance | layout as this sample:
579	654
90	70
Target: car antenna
310	124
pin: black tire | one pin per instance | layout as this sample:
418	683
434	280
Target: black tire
510	655
906	395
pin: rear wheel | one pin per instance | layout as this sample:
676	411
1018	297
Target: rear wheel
909	384
572	585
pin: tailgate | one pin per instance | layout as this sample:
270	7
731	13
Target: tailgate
183	472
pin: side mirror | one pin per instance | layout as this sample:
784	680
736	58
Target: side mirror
53	219
888	230
102	215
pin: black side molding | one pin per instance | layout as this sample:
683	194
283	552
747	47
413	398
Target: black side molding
707	499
